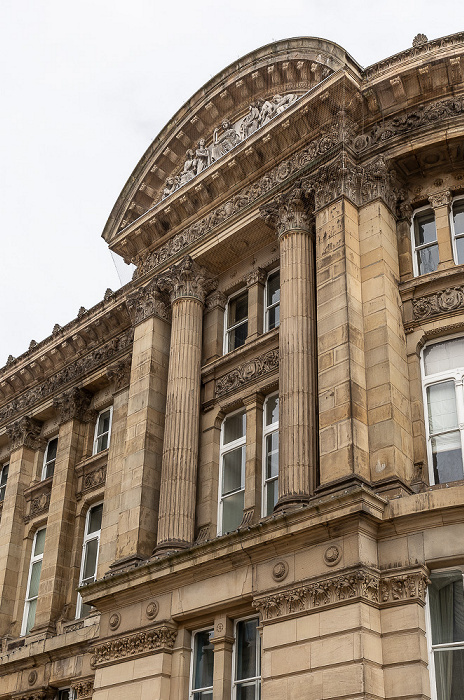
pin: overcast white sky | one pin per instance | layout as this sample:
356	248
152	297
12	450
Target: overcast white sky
86	86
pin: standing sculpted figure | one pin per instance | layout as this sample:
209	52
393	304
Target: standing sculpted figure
201	156
266	112
225	142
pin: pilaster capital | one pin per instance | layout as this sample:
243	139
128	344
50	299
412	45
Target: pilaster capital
146	302
73	404
405	212
82	688
216	300
257	276
288	212
119	373
25	433
440	199
187	279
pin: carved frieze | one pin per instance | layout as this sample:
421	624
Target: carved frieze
154	640
82	689
24	433
247	372
91	473
147	302
187	279
73	404
119	373
449	299
38	497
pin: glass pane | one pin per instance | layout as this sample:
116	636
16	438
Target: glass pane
273	318
238	336
247	646
425	229
272	494
104	423
272	410
2	493
248	692
427	259
273	288
204	661
33	591
63	694
85	609
39	542
458	218
204	695
447	458
31	615
460	250
449	673
90	562
49	470
234	427
441	357
441	403
238	309
4	475
232	470
95	519
272	455
232	511
51	450
102	443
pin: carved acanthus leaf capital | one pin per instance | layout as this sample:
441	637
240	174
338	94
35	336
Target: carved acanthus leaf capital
257	276
187	279
119	373
147	302
440	199
73	404
215	300
288	212
25	433
83	688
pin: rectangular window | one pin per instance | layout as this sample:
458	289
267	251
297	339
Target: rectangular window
102	431
270	453
236	320
272	319
65	694
33	581
232	472
446	634
48	468
425	243
457	226
3	480
443	371
89	559
247	666
201	675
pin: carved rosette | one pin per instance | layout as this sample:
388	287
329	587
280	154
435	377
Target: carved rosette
155	640
147	302
187	279
288	212
445	301
73	405
82	689
25	433
247	372
119	373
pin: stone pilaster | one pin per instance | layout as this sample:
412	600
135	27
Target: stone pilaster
254	457
255	282
441	202
213	326
297	371
403	231
188	285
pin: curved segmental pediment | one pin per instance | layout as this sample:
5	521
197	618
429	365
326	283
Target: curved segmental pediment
225	112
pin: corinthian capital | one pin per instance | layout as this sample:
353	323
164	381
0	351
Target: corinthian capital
187	279
73	404
288	212
147	302
24	433
440	199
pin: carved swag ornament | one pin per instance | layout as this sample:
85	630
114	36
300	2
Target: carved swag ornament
445	301
247	372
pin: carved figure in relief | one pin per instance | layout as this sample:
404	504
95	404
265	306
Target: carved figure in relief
282	102
172	183
225	142
201	156
266	112
190	168
251	122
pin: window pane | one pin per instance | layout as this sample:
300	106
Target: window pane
232	470
441	357
234	427
31	615
51	450
272	494
458	218
441	402
460	250
4	475
102	443
204	661
272	410
95	519
425	229
238	309
272	455
49	470
427	259
248	692
104	422
90	562
273	288
205	695
232	511
238	336
273	318
33	591
85	609
447	458
247	641
39	542
449	673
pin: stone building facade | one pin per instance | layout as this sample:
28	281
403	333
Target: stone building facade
240	475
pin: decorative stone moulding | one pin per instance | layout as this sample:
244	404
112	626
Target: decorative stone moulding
146	302
439	303
38	499
37	694
114	621
83	688
361	584
120	372
91	474
24	432
247	372
332	555
151	641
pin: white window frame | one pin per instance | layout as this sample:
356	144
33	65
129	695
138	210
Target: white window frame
228	330
269	306
3	480
96	435
267	430
235	680
415	249
46	461
458	201
225	449
193	690
34	560
88	537
456	375
428	633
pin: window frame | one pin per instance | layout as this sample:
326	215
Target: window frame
3	480
257	679
440	378
415	264
460	201
46	462
88	537
268	430
267	305
28	600
96	436
223	450
192	690
227	329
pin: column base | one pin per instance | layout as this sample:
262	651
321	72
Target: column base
170	547
292	501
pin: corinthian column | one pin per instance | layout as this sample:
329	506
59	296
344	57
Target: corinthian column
188	284
297	434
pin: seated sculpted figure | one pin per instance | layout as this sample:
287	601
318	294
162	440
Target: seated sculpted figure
201	156
251	121
172	183
225	142
281	102
190	168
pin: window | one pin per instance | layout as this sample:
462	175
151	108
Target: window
101	439
247	665
49	459
65	694
443	371
89	559
270	453
3	480
457	226
272	319
232	472
236	320
33	581
425	242
446	634
201	674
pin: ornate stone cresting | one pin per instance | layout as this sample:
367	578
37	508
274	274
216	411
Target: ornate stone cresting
442	302
247	372
151	641
187	279
119	373
24	433
147	302
73	404
82	689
